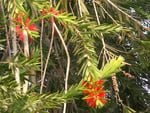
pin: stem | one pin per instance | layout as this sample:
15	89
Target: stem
47	60
115	86
41	47
107	12
96	12
26	53
71	7
102	37
129	16
80	10
68	64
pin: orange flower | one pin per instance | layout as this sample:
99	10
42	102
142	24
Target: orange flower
24	26
95	93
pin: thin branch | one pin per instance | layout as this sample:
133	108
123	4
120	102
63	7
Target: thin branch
107	13
98	21
80	10
102	38
68	64
47	60
75	106
114	49
71	7
138	39
116	89
41	47
99	57
138	22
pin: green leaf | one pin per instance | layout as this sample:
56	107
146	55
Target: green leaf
127	109
112	67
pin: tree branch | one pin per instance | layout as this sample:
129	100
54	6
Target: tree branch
41	47
68	64
138	22
47	60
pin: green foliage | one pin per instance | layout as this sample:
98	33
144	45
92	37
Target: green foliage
97	52
2	46
85	48
112	67
25	64
11	101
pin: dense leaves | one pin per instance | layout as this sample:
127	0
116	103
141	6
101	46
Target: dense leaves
74	41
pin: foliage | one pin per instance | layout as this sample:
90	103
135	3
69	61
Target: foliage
74	41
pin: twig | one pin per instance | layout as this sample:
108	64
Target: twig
98	21
80	10
102	38
138	22
116	89
99	57
71	7
68	64
75	106
128	75
130	36
47	60
41	47
114	49
107	12
115	84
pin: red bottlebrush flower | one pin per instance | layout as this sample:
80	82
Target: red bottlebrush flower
26	26
44	11
30	27
19	18
57	13
52	9
95	93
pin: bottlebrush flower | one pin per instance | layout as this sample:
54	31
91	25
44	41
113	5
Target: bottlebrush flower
52	11
44	11
24	26
95	93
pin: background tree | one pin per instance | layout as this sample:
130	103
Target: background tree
58	51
